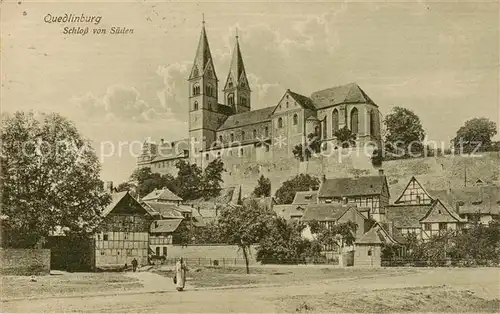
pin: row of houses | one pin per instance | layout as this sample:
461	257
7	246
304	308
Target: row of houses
366	201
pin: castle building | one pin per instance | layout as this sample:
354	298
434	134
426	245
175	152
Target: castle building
228	128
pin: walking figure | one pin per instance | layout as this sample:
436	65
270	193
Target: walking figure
180	274
134	264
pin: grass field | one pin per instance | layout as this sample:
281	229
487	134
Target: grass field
439	299
68	283
229	276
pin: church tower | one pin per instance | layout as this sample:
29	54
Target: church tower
236	90
204	118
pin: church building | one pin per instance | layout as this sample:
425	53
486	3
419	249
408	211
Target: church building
228	128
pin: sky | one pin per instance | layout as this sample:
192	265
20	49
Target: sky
439	59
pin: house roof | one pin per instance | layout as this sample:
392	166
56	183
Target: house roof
165	226
345	94
406	216
398	200
247	118
439	212
289	210
338	187
164	209
304	101
161	195
376	235
305	197
324	212
472	200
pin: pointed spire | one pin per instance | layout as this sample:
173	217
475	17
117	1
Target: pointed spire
203	55
236	68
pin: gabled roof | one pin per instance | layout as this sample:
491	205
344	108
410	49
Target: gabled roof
339	187
324	212
203	57
305	197
247	118
441	213
376	235
162	195
406	216
344	94
413	179
289	210
472	200
303	101
117	198
165	226
164	209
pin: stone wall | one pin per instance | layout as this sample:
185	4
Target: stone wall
25	262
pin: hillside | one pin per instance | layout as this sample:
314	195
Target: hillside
433	172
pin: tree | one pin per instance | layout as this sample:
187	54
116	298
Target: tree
50	178
188	181
126	186
475	133
147	181
345	137
283	244
244	226
263	188
212	179
404	133
339	234
302	182
304	151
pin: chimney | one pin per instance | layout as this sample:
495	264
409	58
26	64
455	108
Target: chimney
381	172
162	141
108	187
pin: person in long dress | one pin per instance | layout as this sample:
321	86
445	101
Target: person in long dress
180	273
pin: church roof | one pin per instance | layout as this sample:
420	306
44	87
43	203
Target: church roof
236	68
345	94
247	118
203	56
304	101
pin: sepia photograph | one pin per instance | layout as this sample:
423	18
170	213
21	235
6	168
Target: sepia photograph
249	156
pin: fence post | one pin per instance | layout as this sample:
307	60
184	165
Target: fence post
223	263
210	261
235	261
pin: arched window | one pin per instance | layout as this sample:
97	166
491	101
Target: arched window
220	138
206	156
316	130
266	131
354	121
196	89
241	152
209	106
254	133
230	99
267	147
335	121
372	123
295	119
232	137
242	135
195	105
280	123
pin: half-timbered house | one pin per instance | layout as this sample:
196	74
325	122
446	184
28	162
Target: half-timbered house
124	232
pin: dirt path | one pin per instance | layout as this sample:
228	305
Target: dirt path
484	282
